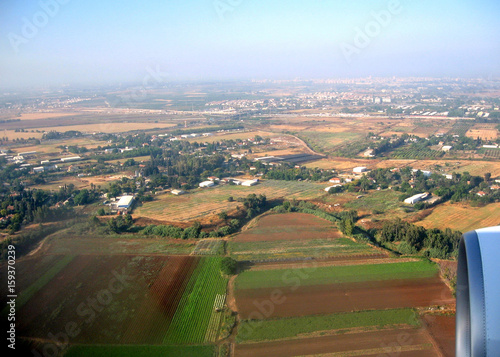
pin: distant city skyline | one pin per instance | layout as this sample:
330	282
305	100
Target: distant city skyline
57	42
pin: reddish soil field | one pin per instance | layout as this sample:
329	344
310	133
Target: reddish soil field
326	299
442	329
136	310
289	226
404	343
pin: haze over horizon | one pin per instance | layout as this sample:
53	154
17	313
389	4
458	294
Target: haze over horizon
56	42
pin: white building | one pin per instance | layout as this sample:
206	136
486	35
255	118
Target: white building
417	198
250	182
124	203
359	170
426	173
69	159
206	184
447	148
178	192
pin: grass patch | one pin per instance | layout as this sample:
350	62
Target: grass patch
292	327
140	351
335	274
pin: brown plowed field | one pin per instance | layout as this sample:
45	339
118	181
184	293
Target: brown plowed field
326	299
442	329
376	343
289	226
105	310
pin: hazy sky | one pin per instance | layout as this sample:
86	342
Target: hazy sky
51	42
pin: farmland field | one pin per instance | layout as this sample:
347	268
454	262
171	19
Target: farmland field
107	127
336	275
139	351
299	249
243	135
459	217
377	201
329	140
202	202
294	236
275	329
136	299
196	319
290	226
62	244
369	344
117	301
301	299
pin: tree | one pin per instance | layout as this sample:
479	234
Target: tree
223	215
487	177
82	197
228	266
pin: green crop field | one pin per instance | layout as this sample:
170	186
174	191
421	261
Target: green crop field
255	279
202	202
139	351
293	327
286	249
193	317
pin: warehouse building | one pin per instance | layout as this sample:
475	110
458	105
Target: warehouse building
124	204
417	198
206	184
360	170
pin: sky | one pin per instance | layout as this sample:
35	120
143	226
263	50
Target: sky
68	42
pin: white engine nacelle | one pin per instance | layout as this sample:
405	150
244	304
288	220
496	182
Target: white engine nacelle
478	294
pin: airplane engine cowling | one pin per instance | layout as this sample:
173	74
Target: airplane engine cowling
478	294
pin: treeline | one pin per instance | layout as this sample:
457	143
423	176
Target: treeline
389	144
288	173
25	242
27	206
409	238
207	129
55	135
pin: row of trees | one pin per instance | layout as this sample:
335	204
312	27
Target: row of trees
412	239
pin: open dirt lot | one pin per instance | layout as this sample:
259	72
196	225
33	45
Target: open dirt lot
404	343
325	299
